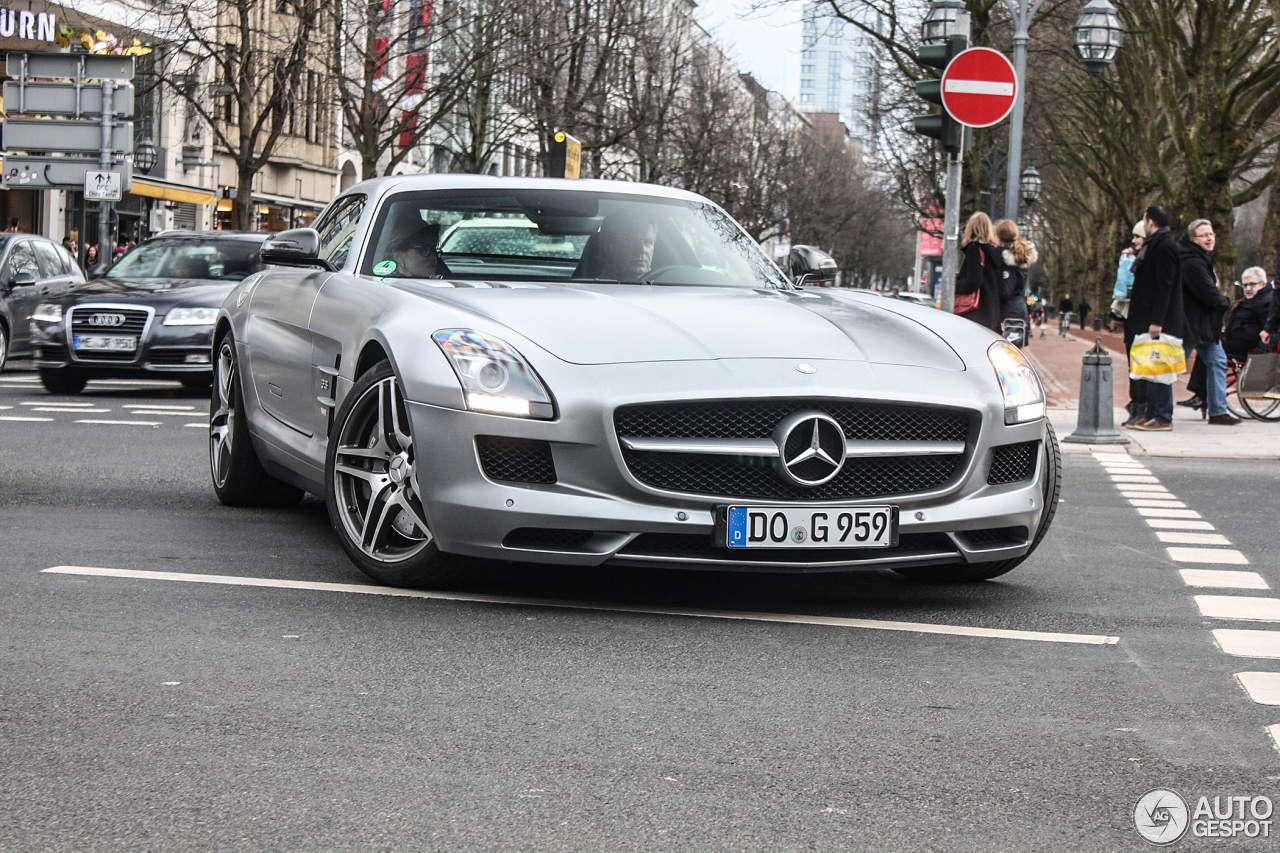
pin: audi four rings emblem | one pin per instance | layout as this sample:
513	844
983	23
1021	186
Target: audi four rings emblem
811	446
106	319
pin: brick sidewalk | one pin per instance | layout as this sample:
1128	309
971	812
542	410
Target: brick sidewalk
1058	360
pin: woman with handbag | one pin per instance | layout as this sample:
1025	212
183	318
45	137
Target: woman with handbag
981	274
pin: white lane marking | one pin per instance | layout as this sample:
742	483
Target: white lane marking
1229	556
1262	687
1142	487
1179	523
1181	538
6	407
62	405
1249	609
160	408
1248	644
1152	512
136	423
163	412
75	411
1274	731
1126	469
197	426
1169	504
1110	454
20	418
1160	496
362	589
1222	579
1133	478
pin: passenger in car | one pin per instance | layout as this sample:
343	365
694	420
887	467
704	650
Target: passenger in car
415	256
621	250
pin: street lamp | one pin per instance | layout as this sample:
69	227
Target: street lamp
1030	185
1097	36
145	155
942	22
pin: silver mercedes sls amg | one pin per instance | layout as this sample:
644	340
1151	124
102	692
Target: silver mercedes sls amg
604	373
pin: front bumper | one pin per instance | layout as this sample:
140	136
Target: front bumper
160	350
621	521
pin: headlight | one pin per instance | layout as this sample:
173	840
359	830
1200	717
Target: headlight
191	317
1023	394
495	378
47	312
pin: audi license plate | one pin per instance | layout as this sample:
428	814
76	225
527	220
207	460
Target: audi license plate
104	342
829	527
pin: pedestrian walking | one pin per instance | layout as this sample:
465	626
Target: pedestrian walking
1065	307
1083	310
1018	256
1155	308
980	278
1205	306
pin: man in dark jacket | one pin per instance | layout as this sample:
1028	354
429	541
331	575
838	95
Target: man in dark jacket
1248	319
1205	306
1155	307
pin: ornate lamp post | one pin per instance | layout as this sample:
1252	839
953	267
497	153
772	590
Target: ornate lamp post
1097	36
145	155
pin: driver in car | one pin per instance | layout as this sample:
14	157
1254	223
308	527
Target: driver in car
414	254
625	246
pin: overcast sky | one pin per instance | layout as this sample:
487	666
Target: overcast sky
765	45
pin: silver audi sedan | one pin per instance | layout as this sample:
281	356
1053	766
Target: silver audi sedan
603	373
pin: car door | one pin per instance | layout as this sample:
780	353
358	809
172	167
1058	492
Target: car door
56	277
22	277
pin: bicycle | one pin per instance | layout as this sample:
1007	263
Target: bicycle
1244	407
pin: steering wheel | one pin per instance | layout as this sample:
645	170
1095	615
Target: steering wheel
657	272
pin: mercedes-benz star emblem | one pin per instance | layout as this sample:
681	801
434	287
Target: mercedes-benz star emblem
812	448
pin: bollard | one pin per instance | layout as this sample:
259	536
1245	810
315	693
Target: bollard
1096	423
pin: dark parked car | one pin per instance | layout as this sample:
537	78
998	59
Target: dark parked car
150	314
33	269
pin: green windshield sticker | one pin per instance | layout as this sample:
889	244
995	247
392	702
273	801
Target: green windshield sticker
385	268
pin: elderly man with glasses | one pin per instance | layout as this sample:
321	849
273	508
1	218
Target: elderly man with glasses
1248	318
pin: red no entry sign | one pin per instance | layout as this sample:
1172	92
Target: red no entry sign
979	87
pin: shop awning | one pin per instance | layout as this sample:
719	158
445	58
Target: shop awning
168	190
285	201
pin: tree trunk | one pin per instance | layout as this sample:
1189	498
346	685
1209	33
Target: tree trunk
244	197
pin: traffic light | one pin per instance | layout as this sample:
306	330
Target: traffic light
940	125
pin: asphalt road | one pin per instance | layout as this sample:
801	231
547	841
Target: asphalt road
153	713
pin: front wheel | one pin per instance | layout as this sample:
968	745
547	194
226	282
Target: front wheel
372	488
62	380
4	346
1052	456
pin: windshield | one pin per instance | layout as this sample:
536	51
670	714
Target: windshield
562	235
213	259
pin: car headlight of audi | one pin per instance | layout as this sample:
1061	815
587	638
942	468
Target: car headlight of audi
47	312
191	317
1023	394
495	378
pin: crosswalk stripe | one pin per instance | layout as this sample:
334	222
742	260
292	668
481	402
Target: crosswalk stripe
1152	502
1142	487
1179	523
1178	537
1133	478
1222	579
1248	644
1229	556
1153	512
1243	607
1262	687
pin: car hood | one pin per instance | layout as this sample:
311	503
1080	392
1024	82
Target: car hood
615	324
195	293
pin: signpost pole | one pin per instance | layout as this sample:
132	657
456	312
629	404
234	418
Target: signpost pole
105	158
951	230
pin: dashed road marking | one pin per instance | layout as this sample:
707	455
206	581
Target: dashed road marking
1248	644
1179	523
69	411
1153	502
1222	579
1152	512
1226	556
134	423
1180	538
1262	687
23	418
799	619
159	408
1144	487
61	405
1133	478
1241	607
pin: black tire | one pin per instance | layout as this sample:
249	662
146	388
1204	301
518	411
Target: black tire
4	346
62	380
986	571
238	476
1264	409
196	381
370	473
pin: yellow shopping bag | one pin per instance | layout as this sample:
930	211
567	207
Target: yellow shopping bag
1159	360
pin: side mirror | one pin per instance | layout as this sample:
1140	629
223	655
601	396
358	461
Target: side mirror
297	247
810	264
25	279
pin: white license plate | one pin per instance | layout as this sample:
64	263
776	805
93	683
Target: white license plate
103	342
828	527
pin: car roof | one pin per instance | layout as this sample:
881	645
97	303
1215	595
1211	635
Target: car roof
378	187
249	236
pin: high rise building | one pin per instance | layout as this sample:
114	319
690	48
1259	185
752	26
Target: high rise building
840	72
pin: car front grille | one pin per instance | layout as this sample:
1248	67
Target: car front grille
134	323
516	460
1012	463
688	545
758	477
